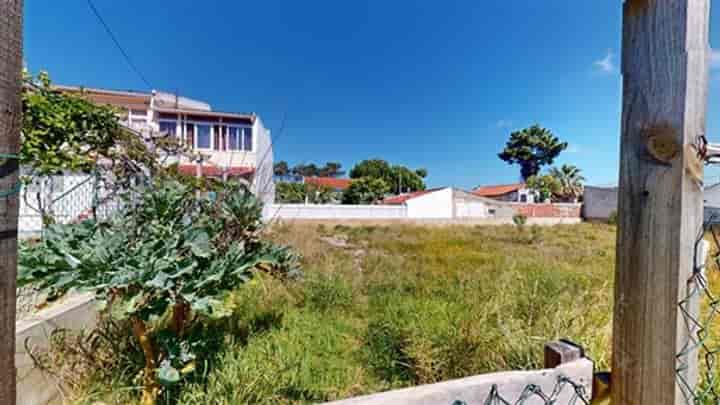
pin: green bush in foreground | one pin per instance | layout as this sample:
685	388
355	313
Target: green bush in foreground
165	267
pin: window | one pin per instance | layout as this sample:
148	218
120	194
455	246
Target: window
203	136
190	135
139	113
247	139
168	126
523	198
219	137
234	138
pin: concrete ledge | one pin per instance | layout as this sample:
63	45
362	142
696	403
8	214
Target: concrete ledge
77	313
475	390
430	222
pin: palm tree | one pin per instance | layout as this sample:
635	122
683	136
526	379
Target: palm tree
10	87
571	182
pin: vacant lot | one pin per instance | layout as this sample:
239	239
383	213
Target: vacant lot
389	307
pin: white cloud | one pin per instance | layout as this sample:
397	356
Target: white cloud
606	64
504	124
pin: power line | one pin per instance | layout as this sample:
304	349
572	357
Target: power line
117	44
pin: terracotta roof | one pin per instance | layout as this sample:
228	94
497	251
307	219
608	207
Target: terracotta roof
216	171
402	198
495	191
332	182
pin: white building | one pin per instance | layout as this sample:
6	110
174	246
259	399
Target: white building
449	203
232	145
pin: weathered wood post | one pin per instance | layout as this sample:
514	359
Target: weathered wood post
10	110
665	76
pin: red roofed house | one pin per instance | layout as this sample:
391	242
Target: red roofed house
447	203
232	145
329	182
506	192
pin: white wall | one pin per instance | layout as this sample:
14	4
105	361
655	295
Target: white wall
435	205
470	209
301	211
263	184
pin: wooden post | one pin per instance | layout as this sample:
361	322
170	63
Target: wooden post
561	352
10	110
665	76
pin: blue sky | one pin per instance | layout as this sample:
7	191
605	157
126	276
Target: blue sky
420	83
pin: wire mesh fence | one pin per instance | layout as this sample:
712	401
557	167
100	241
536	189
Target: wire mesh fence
699	310
566	390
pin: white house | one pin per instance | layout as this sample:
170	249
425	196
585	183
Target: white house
449	203
232	145
519	193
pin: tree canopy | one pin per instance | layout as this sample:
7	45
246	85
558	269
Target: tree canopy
366	190
400	179
570	182
532	148
330	169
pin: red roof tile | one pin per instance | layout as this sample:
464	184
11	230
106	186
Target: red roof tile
495	191
216	171
332	182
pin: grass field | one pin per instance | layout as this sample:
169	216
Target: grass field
389	307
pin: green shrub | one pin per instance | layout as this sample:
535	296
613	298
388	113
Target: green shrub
165	267
520	220
612	219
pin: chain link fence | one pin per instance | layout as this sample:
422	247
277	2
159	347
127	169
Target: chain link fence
535	395
699	310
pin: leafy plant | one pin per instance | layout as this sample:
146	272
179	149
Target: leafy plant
298	193
519	220
532	148
365	191
165	265
570	182
399	178
544	187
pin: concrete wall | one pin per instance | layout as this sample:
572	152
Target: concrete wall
301	211
476	390
556	210
263	184
75	313
599	202
438	204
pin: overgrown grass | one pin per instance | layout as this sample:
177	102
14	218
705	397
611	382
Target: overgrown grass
407	305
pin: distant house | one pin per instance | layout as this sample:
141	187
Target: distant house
448	203
232	145
507	192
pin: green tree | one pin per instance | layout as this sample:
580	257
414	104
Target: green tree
404	180
400	179
365	191
299	193
331	169
570	182
290	193
281	168
532	148
545	186
62	131
305	170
